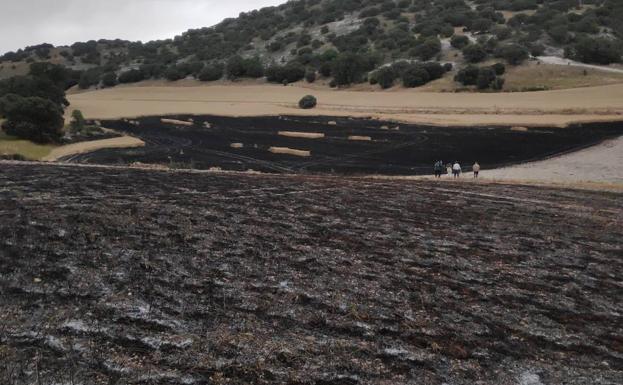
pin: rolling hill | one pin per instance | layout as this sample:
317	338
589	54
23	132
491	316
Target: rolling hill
353	41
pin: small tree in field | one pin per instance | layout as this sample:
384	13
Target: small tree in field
308	102
77	120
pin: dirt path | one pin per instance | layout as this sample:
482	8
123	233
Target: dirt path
601	163
84	147
556	108
562	61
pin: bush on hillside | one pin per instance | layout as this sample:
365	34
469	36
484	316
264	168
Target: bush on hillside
596	50
211	73
109	79
131	76
459	41
32	118
415	76
474	53
308	102
310	76
514	54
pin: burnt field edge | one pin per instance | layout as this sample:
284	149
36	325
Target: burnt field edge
394	148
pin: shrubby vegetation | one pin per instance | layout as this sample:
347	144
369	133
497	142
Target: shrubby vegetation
295	40
308	102
33	118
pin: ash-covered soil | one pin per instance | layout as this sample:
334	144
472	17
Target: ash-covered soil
393	148
136	277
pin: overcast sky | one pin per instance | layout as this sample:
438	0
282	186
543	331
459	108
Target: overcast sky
63	22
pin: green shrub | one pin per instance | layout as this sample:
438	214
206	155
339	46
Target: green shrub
109	79
474	53
415	76
514	54
459	41
211	73
310	76
308	102
33	118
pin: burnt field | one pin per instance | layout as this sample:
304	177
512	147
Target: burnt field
136	277
336	145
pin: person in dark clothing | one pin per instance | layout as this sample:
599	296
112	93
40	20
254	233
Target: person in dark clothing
438	168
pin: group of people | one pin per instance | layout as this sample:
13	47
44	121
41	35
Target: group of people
453	169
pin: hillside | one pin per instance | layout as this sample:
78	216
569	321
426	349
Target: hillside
352	42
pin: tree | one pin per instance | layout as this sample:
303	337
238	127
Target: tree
499	68
77	120
33	118
428	48
211	73
174	73
310	76
415	76
474	53
109	79
459	41
434	69
132	76
27	86
467	76
347	69
290	73
514	54
253	68
596	50
235	67
308	102
486	76
385	77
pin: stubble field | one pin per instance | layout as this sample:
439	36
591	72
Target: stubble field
119	276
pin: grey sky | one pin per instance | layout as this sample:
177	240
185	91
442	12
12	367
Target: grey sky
61	22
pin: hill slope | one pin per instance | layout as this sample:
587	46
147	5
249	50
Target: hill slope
312	35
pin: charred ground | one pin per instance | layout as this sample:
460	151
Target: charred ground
394	149
135	277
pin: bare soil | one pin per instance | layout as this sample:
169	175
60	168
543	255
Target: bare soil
112	276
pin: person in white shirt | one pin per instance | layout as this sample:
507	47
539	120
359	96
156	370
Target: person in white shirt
456	169
476	169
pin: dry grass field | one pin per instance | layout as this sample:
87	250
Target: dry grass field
556	108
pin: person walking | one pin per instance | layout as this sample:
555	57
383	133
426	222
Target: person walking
456	169
449	169
438	169
476	169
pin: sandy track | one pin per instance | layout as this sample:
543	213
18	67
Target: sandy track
555	108
601	163
84	147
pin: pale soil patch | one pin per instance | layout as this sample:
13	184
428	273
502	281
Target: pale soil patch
304	135
360	138
510	14
176	122
84	147
597	164
556	108
237	145
289	151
